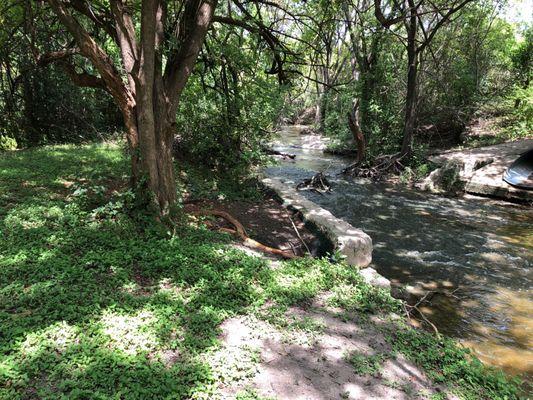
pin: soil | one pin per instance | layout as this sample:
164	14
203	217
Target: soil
267	222
298	364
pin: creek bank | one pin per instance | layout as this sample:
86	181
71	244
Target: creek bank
437	243
478	171
354	244
351	242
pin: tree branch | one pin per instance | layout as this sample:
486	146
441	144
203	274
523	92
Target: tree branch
99	58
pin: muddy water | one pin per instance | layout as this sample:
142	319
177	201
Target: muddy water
475	254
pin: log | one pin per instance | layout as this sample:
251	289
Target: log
273	152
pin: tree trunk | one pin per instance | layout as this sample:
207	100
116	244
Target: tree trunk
355	128
30	123
151	151
412	72
150	95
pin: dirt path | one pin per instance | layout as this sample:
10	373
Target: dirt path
317	356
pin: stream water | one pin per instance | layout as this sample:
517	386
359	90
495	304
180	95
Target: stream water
474	253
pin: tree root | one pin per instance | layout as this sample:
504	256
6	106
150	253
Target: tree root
241	233
317	183
383	165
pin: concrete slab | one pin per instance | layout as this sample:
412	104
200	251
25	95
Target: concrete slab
482	168
353	243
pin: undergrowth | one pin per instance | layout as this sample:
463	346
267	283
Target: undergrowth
93	307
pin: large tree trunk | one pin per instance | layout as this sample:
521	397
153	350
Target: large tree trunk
412	72
149	97
150	145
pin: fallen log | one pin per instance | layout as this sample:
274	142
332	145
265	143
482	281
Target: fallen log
241	233
273	152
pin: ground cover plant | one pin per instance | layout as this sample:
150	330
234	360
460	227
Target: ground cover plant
93	306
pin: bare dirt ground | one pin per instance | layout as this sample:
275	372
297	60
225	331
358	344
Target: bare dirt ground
310	359
268	222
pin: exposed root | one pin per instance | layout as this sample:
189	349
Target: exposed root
383	165
317	183
241	232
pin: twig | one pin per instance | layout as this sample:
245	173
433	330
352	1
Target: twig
298	234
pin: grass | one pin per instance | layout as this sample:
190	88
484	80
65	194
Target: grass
366	364
93	307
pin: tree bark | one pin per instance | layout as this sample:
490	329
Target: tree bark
412	75
359	137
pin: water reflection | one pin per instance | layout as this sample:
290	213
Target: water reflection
476	254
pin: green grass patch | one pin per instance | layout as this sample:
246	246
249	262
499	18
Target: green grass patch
445	362
366	364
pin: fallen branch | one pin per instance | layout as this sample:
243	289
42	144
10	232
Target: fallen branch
317	183
299	236
241	232
426	298
273	152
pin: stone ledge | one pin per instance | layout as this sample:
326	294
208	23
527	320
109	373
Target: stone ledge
353	243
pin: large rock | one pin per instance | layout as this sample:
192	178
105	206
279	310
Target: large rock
448	178
479	170
353	243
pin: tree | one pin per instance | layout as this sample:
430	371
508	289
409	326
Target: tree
157	63
157	44
422	20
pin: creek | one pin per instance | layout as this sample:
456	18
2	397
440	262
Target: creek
474	253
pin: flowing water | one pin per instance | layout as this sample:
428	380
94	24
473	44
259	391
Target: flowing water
475	254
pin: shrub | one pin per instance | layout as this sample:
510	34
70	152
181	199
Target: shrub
7	143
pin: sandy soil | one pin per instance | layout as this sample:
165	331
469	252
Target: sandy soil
311	363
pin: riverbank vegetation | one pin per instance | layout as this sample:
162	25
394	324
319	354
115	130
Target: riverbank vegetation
114	114
95	306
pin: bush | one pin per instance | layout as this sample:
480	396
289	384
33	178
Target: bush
7	143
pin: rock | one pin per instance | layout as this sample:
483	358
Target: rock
371	276
482	169
446	179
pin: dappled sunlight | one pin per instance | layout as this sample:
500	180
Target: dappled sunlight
26	217
56	338
433	243
132	334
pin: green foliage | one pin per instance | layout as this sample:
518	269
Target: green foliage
522	124
229	106
7	143
93	307
413	174
445	362
366	364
